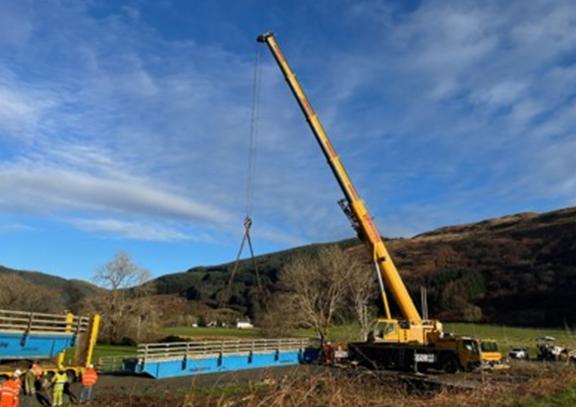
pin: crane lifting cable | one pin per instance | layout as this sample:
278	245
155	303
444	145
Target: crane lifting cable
246	238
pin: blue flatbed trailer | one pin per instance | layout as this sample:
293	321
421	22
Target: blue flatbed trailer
29	336
177	359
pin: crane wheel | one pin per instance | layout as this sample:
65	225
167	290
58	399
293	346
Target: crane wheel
450	364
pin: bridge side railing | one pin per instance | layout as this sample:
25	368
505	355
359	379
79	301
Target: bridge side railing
198	348
21	321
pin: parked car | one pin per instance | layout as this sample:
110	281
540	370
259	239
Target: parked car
519	354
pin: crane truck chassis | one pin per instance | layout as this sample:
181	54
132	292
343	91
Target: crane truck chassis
401	343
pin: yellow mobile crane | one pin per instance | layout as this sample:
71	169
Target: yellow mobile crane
410	342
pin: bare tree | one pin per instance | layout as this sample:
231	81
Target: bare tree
121	273
126	310
318	286
362	287
280	317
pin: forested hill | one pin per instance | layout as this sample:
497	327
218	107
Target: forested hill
33	290
518	269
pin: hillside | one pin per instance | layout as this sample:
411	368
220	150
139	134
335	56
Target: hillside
69	291
518	269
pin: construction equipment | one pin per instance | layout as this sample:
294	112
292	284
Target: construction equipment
550	352
400	343
547	349
57	341
489	353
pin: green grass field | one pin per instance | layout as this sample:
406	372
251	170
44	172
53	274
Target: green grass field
511	337
189	332
113	350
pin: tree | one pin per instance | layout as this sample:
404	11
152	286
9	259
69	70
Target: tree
125	307
121	273
280	316
21	295
362	287
318	286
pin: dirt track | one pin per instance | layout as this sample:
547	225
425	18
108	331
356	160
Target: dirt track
115	384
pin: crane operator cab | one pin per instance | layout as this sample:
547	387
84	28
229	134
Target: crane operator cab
403	331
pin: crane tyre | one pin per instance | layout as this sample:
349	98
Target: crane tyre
450	364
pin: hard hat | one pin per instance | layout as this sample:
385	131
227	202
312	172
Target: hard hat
18	373
90	366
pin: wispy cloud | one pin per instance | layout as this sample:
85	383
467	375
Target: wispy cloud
47	189
447	105
130	230
9	228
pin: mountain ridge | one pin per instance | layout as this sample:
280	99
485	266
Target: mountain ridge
516	269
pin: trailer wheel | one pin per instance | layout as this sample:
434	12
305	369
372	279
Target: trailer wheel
450	364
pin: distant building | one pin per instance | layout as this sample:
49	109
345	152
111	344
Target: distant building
244	325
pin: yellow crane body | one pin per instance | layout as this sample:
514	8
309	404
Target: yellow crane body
396	344
393	343
414	329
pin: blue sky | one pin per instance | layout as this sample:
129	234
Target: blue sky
124	125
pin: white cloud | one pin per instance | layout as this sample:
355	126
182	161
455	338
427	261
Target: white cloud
502	93
124	120
21	110
130	230
9	228
45	189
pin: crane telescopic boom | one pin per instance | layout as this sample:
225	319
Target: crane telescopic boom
354	207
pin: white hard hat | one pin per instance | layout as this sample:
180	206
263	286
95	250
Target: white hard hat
18	373
90	366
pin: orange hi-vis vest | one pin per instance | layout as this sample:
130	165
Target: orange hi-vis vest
89	377
9	393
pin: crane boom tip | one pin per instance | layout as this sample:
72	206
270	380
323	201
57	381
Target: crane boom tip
262	37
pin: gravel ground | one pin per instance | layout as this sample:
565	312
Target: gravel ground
145	385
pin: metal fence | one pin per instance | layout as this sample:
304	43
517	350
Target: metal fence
200	348
111	364
41	322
